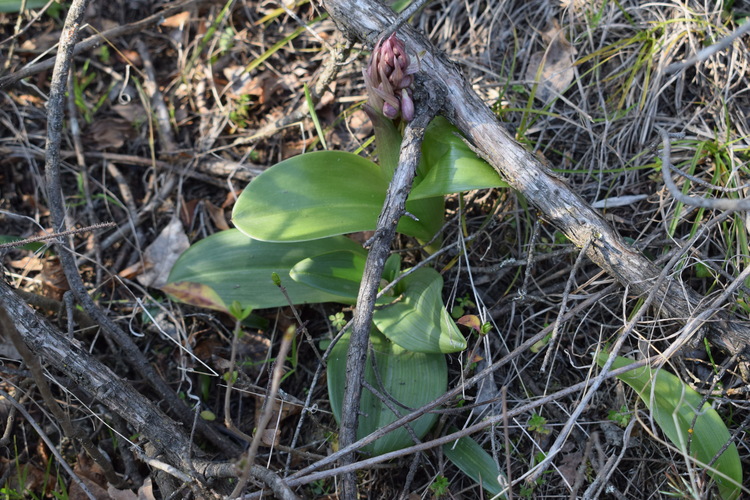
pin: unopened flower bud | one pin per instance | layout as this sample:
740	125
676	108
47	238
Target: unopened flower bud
388	78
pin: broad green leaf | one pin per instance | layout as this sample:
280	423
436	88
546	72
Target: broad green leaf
418	320
674	405
413	379
338	272
311	196
321	194
239	268
453	166
476	463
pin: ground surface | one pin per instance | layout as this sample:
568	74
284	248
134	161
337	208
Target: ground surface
166	129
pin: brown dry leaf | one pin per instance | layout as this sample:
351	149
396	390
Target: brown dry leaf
40	43
160	256
568	466
146	491
116	494
176	21
187	211
217	216
262	86
131	112
556	63
272	434
28	263
109	133
92	475
53	278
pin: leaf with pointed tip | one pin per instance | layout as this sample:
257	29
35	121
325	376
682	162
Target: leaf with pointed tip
413	379
675	406
476	463
418	320
452	167
196	294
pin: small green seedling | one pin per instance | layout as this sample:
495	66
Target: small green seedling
621	417
439	486
538	424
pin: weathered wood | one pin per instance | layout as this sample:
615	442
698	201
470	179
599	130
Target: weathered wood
96	379
560	205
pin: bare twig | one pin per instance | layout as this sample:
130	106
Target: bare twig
267	412
568	285
304	477
37	373
707	52
55	108
53	236
694	201
52	446
393	209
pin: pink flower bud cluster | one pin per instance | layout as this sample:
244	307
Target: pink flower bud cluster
388	78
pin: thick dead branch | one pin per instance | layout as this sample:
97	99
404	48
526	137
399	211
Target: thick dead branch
524	172
96	379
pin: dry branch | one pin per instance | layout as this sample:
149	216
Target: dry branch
558	203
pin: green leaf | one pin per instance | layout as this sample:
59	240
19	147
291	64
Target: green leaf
239	268
392	267
418	320
321	194
312	196
314	115
413	379
453	166
387	140
476	463
15	5
674	405
338	272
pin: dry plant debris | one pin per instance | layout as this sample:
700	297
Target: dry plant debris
172	108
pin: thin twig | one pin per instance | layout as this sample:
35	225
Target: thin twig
402	18
52	446
95	40
267	412
712	49
303	477
563	304
393	209
55	109
37	373
693	201
53	236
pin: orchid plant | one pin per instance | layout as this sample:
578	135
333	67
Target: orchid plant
291	220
